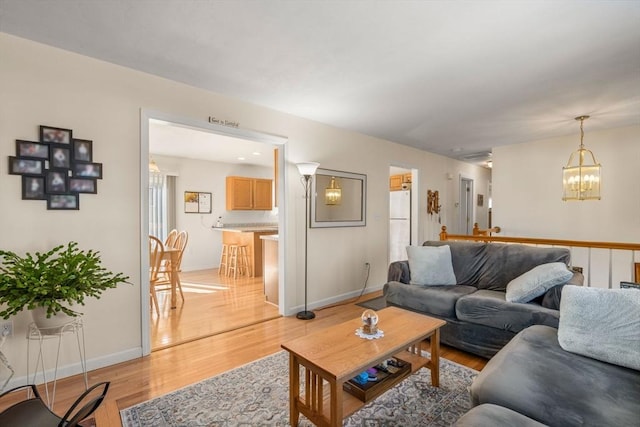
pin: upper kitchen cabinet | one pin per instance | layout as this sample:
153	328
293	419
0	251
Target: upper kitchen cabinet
245	193
400	182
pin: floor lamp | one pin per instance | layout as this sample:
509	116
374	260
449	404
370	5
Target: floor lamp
307	170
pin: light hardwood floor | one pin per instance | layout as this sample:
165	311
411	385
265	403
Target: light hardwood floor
177	366
212	304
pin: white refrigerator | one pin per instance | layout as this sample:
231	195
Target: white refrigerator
399	224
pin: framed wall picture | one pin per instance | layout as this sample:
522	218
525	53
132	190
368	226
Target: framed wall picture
83	185
58	168
28	149
19	166
87	170
63	201
351	211
55	135
82	150
33	188
60	157
197	202
56	182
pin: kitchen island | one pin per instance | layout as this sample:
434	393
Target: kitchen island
249	235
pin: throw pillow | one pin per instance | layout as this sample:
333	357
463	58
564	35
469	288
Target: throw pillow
431	265
603	324
537	281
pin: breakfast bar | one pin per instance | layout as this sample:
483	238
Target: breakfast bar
249	235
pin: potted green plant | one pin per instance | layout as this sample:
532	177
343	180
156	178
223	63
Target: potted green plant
53	282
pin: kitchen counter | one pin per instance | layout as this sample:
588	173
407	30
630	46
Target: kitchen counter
247	228
269	237
248	235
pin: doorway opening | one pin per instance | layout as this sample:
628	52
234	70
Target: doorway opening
402	211
206	302
466	206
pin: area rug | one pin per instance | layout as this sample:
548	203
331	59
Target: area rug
377	303
257	394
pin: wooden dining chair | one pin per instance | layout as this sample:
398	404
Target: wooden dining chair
180	243
170	241
156	254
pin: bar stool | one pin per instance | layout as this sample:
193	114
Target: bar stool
243	260
224	256
238	261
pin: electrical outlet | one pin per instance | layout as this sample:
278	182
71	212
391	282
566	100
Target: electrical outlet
6	328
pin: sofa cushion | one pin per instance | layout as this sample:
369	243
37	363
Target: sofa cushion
490	308
489	415
433	300
505	262
467	259
610	333
493	265
431	265
537	281
534	376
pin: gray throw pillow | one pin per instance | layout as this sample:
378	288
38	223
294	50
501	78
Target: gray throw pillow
431	265
603	324
537	281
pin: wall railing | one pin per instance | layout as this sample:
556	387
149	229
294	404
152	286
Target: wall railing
604	264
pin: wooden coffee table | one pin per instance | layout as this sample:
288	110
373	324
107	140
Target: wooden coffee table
332	356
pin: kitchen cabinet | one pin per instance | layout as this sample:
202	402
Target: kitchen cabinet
244	193
395	182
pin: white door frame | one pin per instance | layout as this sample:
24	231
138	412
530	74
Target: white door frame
145	116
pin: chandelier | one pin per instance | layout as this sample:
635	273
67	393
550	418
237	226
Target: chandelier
581	180
333	193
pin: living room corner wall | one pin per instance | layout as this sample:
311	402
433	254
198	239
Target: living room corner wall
42	85
527	188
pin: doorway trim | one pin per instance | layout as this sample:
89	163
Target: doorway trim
280	141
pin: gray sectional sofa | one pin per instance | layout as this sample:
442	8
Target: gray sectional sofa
585	372
474	303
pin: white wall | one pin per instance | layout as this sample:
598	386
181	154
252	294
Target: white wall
204	246
527	188
102	102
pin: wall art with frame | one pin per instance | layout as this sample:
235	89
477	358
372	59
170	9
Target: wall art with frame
56	168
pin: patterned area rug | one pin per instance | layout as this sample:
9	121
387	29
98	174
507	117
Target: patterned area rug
257	394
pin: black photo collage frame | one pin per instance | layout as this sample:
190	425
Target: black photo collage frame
57	168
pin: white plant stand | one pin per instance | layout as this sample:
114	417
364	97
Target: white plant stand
42	335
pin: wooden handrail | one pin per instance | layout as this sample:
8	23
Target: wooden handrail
487	232
536	241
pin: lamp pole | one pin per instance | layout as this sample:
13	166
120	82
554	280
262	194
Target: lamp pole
306	314
307	170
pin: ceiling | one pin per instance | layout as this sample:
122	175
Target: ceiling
451	77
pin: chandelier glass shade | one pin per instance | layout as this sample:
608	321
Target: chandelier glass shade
581	176
153	167
333	193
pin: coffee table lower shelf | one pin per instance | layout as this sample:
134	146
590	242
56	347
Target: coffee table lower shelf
350	403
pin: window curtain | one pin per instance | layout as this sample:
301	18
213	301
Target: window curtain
157	206
162	205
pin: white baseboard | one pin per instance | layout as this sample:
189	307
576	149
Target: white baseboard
332	300
76	368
